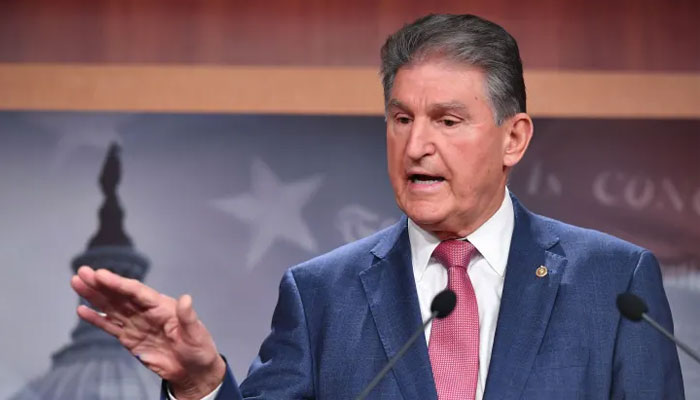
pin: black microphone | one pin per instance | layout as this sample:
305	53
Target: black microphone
634	308
442	305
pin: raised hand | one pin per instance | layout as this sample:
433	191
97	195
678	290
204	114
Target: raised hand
164	333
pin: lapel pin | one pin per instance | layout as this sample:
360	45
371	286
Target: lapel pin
541	272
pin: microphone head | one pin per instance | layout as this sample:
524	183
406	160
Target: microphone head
443	303
631	306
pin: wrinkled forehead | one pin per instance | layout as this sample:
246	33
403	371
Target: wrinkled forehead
437	74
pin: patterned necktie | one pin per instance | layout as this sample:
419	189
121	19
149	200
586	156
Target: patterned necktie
454	341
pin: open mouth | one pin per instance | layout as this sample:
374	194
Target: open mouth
425	179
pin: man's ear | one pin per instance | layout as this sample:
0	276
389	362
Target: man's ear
517	137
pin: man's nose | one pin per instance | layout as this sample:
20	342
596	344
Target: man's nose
420	141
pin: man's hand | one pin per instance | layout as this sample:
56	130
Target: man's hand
164	333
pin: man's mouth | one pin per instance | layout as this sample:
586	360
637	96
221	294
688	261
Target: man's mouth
425	179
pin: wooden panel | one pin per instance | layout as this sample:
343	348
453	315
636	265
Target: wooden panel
596	34
321	90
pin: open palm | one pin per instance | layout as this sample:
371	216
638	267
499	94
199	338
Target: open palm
163	333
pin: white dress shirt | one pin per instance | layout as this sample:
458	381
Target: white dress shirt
210	396
486	271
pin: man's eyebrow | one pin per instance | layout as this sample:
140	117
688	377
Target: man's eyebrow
450	105
433	108
396	104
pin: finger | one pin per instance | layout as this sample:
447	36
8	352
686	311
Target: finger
91	295
99	321
85	270
115	308
116	304
87	275
187	317
139	294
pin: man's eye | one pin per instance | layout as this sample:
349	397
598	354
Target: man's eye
403	120
449	122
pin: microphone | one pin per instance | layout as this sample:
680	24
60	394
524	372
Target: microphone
634	309
442	305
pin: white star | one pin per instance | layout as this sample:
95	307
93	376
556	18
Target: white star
273	210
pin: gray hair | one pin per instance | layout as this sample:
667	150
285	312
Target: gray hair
466	39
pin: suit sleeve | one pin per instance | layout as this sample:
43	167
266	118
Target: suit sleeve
228	390
283	368
645	364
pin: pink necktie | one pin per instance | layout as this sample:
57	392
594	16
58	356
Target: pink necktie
454	341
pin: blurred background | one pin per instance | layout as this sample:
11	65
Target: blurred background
224	141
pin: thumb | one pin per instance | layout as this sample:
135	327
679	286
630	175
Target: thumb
187	317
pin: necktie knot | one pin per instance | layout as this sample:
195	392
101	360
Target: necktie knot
454	253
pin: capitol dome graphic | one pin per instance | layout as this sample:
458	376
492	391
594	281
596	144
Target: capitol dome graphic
94	365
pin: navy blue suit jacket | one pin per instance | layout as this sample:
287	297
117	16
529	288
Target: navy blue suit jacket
341	316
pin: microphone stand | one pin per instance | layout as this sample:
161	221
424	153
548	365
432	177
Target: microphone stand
668	334
395	358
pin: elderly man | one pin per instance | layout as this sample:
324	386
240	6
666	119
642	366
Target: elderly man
535	315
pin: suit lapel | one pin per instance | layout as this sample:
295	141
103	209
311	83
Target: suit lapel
526	305
391	293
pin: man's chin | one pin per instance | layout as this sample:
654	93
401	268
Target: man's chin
427	220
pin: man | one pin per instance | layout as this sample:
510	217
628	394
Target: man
535	316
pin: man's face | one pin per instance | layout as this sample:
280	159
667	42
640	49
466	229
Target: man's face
446	155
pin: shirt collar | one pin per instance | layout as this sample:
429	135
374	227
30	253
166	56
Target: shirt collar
491	239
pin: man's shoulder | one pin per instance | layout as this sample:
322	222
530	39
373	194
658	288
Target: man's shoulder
578	236
350	258
591	248
594	257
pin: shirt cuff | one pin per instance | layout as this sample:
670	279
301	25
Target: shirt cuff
210	396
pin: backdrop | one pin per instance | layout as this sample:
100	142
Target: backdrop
223	204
